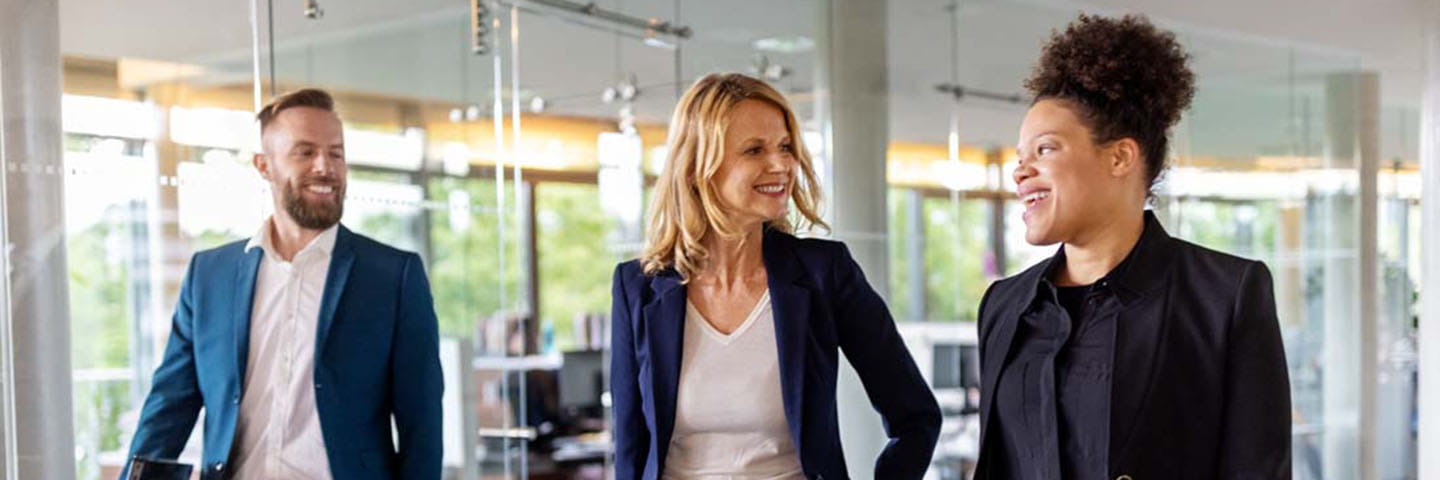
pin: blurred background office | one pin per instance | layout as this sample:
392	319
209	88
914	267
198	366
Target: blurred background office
511	143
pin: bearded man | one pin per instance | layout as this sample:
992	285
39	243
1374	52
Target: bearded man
303	342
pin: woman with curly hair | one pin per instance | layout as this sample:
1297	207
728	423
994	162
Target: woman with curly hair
1129	353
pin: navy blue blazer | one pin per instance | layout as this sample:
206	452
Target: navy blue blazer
822	304
376	355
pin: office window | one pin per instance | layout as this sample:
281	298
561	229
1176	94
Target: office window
464	267
576	257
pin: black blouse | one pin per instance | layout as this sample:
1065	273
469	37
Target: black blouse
1053	398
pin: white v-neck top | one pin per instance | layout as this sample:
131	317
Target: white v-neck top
730	413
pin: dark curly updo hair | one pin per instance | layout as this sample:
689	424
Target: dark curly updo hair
1126	79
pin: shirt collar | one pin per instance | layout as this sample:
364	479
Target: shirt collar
1142	270
323	243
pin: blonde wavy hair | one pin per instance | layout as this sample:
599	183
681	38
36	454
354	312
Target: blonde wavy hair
686	207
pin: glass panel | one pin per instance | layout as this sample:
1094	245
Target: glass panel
1225	193
957	250
941	257
907	301
575	283
594	96
432	146
157	143
1399	307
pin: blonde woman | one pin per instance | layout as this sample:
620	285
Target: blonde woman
727	330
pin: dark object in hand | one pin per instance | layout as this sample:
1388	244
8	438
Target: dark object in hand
142	468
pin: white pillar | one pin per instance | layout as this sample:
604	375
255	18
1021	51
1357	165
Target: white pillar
1351	278
35	239
1429	341
852	87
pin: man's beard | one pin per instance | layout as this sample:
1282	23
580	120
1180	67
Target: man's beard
318	215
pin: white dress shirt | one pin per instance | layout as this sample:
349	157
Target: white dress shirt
730	414
278	433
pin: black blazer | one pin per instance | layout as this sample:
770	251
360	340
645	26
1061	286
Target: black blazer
1200	388
822	305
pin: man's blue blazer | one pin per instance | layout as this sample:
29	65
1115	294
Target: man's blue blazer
376	355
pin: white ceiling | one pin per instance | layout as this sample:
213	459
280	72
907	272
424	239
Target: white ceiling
1258	61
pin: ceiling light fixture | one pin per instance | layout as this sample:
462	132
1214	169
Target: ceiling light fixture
783	44
591	11
653	39
960	92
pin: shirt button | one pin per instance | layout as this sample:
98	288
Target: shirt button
220	467
317	386
236	400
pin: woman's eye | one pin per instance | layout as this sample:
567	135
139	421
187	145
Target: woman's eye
787	148
1044	149
752	151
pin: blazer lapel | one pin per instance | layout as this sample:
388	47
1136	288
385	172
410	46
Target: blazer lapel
1139	332
665	336
242	300
997	350
1141	283
790	302
341	260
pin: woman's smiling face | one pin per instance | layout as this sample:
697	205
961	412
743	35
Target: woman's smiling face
757	173
1066	182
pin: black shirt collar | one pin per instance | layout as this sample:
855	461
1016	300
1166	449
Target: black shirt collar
1142	270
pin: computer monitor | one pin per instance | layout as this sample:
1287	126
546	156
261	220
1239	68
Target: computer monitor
582	379
955	366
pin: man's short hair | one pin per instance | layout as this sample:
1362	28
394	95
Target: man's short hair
309	97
